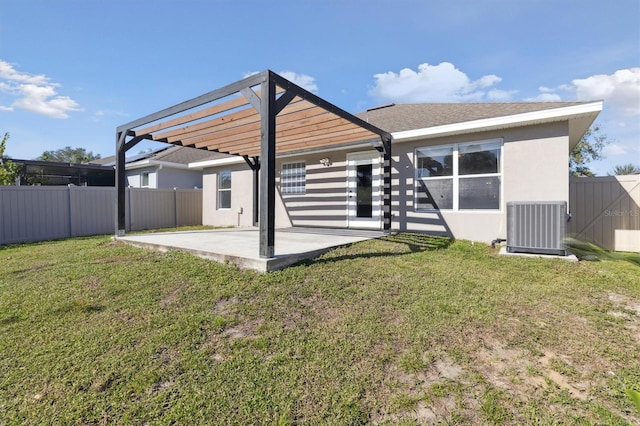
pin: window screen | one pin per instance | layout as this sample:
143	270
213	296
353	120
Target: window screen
293	178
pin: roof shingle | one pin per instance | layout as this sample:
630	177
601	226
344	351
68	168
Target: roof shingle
401	117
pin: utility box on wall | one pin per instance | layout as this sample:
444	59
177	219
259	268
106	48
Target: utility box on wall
536	227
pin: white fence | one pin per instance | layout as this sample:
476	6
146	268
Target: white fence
606	210
38	213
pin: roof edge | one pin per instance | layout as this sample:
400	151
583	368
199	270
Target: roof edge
216	162
546	115
149	162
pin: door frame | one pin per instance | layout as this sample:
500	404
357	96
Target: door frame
355	159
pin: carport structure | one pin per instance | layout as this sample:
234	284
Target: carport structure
257	118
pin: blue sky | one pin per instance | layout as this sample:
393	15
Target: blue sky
71	71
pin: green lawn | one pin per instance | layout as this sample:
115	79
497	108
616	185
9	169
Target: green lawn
408	330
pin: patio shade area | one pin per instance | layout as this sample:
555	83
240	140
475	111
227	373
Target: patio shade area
257	118
238	246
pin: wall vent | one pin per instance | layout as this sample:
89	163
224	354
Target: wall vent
536	227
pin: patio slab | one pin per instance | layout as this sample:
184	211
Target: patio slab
240	246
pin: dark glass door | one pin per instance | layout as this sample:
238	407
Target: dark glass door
364	192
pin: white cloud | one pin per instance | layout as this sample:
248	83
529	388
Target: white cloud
620	90
436	83
497	95
545	96
35	93
615	149
305	81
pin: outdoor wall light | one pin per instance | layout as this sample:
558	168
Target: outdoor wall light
325	161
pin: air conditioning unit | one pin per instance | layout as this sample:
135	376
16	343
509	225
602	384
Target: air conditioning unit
536	227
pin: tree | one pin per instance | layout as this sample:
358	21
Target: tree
69	155
588	149
625	169
8	169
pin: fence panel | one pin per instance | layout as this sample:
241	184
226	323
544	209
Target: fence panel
152	209
92	209
188	207
38	213
34	213
606	210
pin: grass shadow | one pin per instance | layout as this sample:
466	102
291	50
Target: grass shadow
414	241
419	242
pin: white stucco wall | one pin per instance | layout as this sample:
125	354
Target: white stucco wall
534	168
240	213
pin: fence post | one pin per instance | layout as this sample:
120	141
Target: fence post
129	210
70	204
175	207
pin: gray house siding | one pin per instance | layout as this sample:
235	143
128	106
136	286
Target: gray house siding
134	177
163	177
178	178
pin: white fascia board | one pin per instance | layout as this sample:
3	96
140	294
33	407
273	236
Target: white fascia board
149	163
547	115
217	162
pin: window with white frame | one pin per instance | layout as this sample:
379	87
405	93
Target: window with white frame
459	177
224	189
144	179
293	178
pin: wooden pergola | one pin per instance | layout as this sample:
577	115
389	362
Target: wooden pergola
258	118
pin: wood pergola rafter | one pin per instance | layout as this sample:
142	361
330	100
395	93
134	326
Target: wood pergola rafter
259	117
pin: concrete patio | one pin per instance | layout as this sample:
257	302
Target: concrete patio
239	246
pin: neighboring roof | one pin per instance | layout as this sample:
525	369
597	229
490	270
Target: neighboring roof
178	156
419	121
184	155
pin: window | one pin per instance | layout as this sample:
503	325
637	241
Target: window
224	189
293	178
434	178
459	177
144	179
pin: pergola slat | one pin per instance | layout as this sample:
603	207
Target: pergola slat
337	139
286	121
234	145
207	112
234	122
249	132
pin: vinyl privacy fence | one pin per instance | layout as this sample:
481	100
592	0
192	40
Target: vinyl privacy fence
38	213
606	211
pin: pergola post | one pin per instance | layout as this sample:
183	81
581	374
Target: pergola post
267	167
122	146
254	165
256	191
120	184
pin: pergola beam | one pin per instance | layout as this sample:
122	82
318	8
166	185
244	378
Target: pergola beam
212	96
